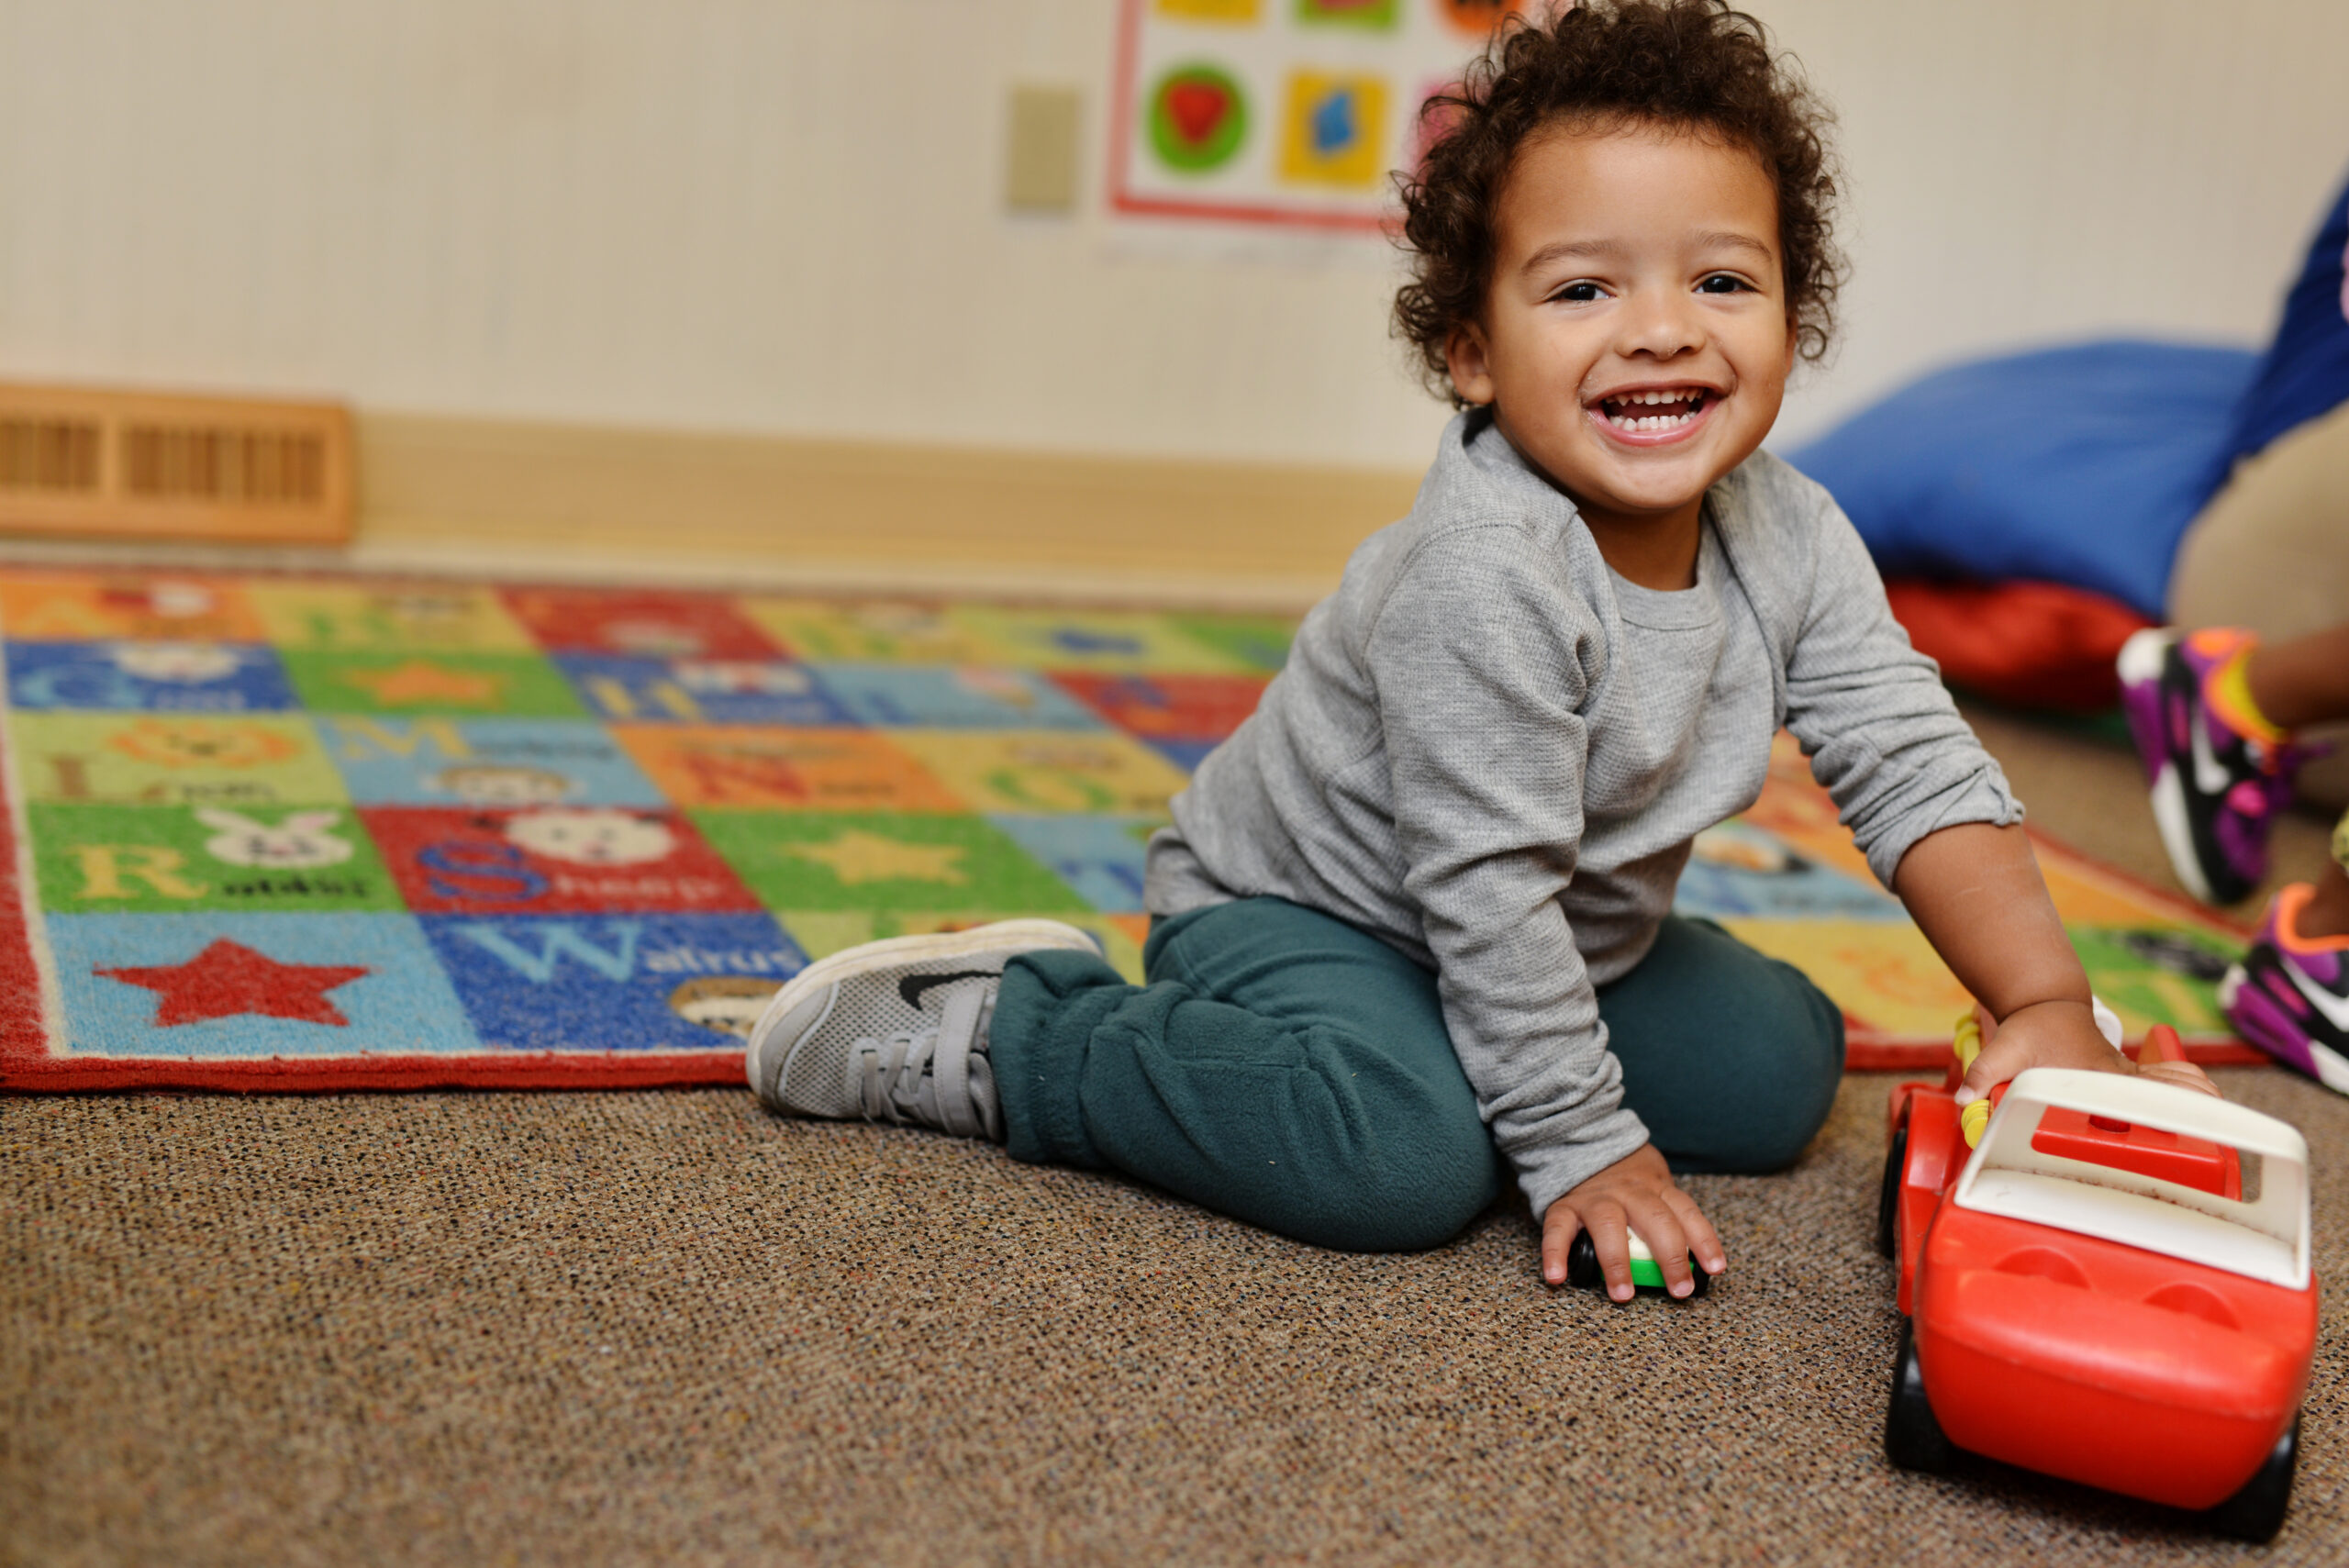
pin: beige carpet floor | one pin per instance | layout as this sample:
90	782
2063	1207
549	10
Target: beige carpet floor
668	1329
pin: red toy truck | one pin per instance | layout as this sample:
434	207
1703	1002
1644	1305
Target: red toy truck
2113	1288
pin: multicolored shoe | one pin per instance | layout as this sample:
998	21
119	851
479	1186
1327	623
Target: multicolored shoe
2216	782
2290	996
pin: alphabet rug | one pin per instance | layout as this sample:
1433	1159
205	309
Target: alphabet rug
271	833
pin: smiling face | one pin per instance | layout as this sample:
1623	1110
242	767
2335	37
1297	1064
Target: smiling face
1635	341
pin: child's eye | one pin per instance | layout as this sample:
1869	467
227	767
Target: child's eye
1578	294
1723	283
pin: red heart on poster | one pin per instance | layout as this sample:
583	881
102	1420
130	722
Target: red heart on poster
1197	108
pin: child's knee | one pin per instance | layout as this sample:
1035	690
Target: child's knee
1417	1191
1771	1096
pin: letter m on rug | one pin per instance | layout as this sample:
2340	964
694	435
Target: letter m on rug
556	942
360	735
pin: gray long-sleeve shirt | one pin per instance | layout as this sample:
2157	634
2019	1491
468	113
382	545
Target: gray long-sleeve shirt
1492	753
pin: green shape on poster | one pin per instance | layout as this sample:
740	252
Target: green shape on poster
1198	118
506	686
169	859
881	861
1378	15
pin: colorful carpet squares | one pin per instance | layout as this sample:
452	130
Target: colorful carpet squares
303	834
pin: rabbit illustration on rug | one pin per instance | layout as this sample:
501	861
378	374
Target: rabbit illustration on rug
301	841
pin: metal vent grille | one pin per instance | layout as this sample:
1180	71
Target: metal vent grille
75	461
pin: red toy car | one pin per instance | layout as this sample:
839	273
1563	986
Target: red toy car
2113	1288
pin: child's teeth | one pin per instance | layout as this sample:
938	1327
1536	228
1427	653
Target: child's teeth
1619	409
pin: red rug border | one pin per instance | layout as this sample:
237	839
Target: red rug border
24	1023
1892	1055
337	1075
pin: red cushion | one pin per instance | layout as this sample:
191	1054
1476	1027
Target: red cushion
2032	644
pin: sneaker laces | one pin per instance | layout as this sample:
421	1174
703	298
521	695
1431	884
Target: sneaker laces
937	1077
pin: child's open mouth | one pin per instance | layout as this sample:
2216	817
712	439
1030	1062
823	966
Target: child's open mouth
1653	413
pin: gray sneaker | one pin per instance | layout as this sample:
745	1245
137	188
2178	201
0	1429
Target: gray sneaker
896	1030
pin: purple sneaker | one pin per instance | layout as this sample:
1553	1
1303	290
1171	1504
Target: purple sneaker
2215	788
2290	996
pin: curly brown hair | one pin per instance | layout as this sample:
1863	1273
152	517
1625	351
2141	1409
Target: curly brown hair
1694	63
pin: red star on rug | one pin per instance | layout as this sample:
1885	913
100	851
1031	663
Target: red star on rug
228	978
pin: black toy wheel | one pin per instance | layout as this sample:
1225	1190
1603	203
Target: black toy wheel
1887	1201
1913	1439
1582	1269
2257	1512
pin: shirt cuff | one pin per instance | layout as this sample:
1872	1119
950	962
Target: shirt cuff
1985	797
1548	1173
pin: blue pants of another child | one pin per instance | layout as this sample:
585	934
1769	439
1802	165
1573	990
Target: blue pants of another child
1289	1070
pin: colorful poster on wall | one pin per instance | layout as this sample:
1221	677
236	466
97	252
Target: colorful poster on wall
1280	114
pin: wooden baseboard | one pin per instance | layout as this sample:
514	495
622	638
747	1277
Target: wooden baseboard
436	489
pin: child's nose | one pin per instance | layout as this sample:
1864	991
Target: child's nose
1660	324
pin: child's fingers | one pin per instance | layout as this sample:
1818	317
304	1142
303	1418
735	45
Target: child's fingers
2185	1075
1703	1239
1559	1228
2000	1058
1667	1241
1609	1237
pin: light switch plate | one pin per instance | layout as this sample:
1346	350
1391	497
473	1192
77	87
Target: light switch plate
1040	169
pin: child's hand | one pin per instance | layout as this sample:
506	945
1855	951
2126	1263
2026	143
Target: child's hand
1637	1191
2059	1034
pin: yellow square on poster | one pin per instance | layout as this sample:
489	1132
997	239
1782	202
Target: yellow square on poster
1238	11
1334	132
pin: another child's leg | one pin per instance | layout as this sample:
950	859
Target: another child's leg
1282	1067
2302	681
2326	914
2270	554
1729	1057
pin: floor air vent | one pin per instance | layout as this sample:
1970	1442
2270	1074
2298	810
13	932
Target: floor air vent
74	461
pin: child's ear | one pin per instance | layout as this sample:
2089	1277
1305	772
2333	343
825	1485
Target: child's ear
1465	360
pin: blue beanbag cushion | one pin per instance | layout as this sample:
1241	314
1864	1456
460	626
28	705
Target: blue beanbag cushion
2080	465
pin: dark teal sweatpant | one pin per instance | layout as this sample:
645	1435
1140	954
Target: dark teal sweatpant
1292	1071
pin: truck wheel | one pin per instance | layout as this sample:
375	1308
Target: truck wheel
1912	1436
1887	1202
2257	1513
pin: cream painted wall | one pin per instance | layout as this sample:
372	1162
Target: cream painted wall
782	215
